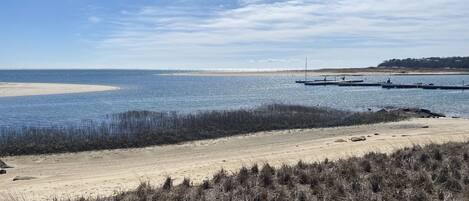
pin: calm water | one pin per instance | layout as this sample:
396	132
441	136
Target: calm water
147	90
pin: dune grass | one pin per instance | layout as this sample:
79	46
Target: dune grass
434	172
145	128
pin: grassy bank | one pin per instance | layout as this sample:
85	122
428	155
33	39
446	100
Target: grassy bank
434	172
145	128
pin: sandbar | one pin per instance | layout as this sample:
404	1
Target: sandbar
11	89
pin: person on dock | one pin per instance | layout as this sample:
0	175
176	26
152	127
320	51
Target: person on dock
389	81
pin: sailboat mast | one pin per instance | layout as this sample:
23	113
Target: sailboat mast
306	68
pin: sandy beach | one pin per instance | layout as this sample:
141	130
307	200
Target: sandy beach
105	172
32	89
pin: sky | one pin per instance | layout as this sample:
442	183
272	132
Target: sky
227	34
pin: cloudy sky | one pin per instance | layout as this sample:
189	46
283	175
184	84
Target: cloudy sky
227	34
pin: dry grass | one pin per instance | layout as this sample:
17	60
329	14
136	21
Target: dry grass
434	172
143	128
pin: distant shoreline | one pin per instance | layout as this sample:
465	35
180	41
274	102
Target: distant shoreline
326	72
15	89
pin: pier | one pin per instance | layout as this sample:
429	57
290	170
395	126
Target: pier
332	82
465	87
425	86
385	85
352	84
401	86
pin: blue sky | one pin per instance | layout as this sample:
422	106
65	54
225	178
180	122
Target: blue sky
224	34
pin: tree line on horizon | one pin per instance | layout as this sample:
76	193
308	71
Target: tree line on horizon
429	62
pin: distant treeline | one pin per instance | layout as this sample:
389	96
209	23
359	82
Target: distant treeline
431	62
145	128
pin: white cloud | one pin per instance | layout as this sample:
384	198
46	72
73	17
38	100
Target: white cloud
94	19
268	29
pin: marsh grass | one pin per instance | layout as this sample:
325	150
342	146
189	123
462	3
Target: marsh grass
144	128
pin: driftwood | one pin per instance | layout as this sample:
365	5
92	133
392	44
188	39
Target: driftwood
3	165
356	139
20	178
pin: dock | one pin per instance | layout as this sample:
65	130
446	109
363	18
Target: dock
385	85
317	83
401	86
352	84
465	87
425	86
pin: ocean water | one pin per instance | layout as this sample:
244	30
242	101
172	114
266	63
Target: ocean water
150	90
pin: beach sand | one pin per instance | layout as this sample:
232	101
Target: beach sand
31	89
105	172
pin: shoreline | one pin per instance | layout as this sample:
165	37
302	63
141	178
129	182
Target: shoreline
81	174
324	72
17	89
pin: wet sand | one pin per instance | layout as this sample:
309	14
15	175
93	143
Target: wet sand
32	89
105	172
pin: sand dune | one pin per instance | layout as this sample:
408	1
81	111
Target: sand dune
104	172
31	89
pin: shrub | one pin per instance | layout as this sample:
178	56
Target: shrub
243	175
186	182
266	175
255	169
168	183
366	166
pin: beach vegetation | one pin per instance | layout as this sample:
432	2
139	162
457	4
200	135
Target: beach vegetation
146	128
411	173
